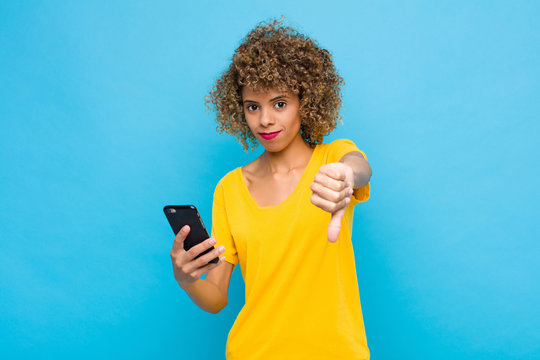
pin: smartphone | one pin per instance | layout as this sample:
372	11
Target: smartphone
180	215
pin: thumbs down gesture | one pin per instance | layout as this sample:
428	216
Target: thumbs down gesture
332	188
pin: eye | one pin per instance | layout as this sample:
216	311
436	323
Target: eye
280	104
251	107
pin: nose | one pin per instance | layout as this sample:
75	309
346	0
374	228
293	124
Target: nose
266	118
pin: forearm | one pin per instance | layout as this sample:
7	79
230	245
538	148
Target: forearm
206	295
360	167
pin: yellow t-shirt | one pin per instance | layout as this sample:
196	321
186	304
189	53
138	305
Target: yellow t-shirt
302	299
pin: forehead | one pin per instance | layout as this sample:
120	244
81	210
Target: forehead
249	93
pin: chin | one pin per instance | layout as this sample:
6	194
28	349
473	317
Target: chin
273	147
277	147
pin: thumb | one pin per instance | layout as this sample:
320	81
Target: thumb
180	237
335	225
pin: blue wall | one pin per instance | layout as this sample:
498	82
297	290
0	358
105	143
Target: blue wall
102	123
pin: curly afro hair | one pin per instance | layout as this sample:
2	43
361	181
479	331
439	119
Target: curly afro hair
276	56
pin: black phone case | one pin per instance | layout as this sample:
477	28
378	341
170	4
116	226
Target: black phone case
180	215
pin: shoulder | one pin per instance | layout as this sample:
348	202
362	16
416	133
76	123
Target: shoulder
335	150
342	143
235	178
338	143
230	179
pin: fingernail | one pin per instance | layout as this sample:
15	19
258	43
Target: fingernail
221	248
213	241
185	229
221	258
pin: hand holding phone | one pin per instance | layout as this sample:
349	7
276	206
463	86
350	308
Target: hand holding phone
180	215
193	252
189	266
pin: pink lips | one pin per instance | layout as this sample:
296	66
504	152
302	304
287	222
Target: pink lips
270	135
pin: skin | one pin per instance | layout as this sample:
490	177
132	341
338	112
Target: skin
210	294
270	179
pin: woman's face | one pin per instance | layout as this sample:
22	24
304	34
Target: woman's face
273	117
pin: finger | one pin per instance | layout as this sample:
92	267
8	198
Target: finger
329	194
334	226
333	171
327	205
329	182
206	268
203	260
199	248
178	243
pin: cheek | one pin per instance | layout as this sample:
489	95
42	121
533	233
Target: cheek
251	125
295	121
248	120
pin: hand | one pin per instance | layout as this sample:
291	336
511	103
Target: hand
186	269
332	189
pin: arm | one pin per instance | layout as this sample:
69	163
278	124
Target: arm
209	294
360	167
333	186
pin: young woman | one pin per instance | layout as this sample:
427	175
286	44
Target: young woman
287	216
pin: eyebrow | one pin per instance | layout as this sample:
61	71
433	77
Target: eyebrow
272	99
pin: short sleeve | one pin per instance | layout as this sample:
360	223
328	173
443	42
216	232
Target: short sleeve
338	149
221	230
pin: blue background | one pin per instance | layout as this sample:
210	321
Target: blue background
103	123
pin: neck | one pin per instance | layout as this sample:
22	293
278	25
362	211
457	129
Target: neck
295	155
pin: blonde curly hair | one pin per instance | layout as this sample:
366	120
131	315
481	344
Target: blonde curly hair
276	56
